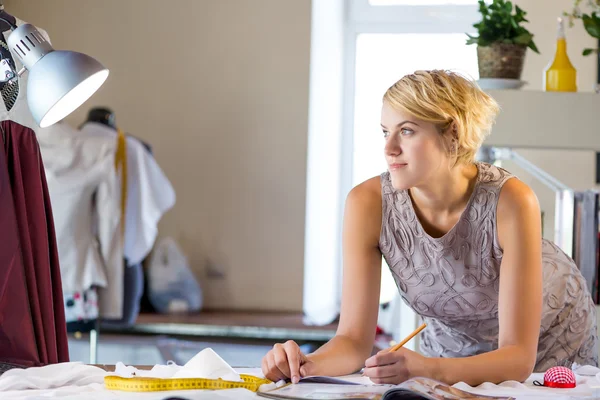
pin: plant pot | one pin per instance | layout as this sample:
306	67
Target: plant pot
501	60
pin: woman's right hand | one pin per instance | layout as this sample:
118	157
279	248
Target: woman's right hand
286	361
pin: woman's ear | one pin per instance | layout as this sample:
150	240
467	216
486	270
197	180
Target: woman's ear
453	131
450	139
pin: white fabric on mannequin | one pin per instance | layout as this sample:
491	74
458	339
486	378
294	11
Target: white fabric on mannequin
85	195
149	194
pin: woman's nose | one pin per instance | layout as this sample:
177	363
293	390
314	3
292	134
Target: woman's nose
392	148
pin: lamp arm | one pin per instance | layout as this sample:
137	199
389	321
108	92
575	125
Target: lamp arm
7	73
492	153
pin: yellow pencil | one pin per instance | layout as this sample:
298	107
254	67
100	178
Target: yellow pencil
412	335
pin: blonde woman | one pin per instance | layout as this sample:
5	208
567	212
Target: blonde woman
463	242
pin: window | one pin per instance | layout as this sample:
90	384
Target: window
381	59
419	2
386	43
382	45
381	41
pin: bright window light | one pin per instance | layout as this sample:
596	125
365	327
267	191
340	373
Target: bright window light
421	2
382	59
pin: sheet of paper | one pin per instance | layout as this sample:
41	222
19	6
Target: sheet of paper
333	392
355	379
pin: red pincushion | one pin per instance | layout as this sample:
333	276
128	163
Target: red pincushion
559	377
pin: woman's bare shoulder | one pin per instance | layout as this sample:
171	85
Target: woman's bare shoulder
518	210
362	214
516	196
367	193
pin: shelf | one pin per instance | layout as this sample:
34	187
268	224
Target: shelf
549	120
232	324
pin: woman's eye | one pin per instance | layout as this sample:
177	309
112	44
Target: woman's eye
406	131
386	134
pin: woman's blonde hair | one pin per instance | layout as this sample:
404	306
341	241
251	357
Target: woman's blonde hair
447	99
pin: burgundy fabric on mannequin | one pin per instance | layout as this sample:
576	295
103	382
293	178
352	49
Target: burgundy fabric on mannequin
17	336
38	242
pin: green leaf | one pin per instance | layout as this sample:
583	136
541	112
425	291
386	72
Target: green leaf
519	11
587	52
533	47
500	24
591	25
482	7
472	39
523	38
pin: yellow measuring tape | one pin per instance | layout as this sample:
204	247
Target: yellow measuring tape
159	384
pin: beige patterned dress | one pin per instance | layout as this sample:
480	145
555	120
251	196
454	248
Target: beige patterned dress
452	282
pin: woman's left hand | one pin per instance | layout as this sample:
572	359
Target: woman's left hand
394	367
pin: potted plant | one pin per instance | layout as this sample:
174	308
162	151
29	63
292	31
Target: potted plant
502	40
591	21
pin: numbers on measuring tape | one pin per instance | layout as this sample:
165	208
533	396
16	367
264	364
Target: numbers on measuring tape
156	384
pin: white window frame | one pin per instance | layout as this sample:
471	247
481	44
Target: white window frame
363	17
336	25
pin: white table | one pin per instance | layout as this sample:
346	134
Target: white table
93	389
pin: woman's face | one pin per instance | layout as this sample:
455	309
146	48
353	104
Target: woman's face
414	149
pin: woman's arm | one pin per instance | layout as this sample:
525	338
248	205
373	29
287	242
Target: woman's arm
353	342
519	308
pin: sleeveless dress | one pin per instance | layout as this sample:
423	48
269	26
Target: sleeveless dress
452	282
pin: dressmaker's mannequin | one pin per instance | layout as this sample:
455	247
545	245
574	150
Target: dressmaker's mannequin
149	195
3	14
102	115
106	116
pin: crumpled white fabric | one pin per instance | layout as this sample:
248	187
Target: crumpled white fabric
158	371
587	387
206	364
74	380
51	376
97	392
585	370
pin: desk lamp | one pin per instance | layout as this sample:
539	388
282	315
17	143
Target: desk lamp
58	82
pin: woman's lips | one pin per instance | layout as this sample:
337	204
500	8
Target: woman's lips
396	166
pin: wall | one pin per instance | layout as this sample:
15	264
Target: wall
220	90
575	168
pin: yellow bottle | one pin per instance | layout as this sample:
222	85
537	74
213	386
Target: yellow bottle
560	76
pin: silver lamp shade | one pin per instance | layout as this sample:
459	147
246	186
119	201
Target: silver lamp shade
59	81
